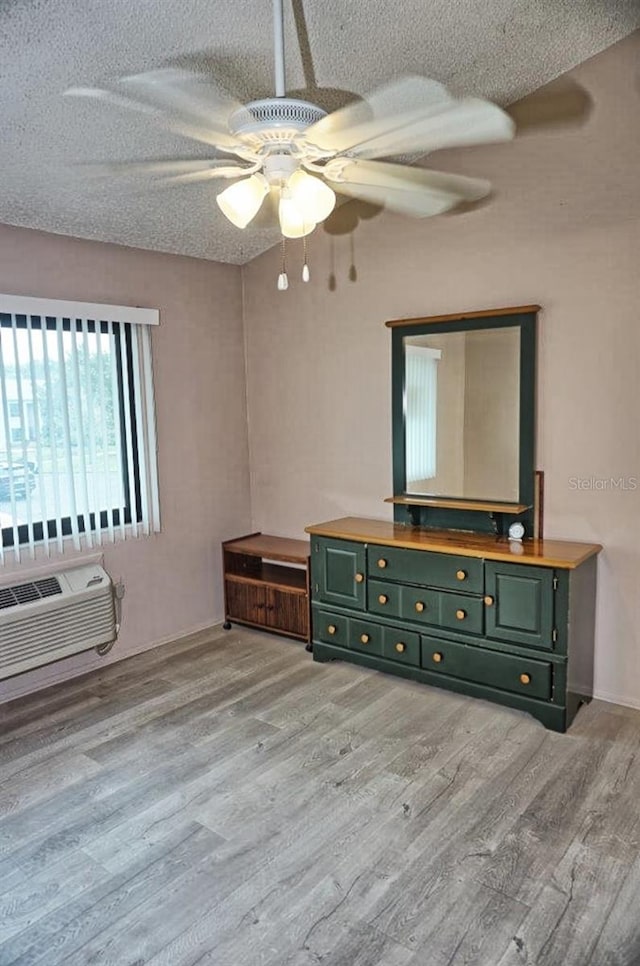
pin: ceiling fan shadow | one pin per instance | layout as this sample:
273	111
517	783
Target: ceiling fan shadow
328	98
346	217
237	73
247	78
562	103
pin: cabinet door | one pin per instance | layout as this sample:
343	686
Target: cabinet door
522	608
287	611
246	602
338	572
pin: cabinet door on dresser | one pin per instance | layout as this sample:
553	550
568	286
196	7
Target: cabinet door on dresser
521	604
338	572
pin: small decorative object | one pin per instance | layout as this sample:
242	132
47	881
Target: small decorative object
516	531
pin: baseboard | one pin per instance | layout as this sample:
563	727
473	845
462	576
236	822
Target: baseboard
621	699
48	676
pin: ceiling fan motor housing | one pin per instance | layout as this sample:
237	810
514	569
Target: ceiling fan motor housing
273	121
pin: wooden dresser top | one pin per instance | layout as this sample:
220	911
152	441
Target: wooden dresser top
563	554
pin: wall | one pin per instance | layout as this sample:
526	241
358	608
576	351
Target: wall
562	230
492	415
173	579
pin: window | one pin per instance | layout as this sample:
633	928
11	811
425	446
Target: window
77	429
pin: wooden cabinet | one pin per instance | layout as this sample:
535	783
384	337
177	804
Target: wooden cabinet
266	584
473	613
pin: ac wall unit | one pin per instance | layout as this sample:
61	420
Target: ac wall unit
57	615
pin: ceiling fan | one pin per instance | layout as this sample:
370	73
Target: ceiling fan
301	156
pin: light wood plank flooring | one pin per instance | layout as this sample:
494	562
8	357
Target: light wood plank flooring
225	801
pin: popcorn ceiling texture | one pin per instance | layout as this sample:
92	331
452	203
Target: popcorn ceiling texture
502	49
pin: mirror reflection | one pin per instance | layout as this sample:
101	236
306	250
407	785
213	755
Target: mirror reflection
462	414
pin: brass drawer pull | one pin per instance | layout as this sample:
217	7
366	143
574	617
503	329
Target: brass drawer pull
383	599
489	601
437	657
461	614
359	578
401	647
525	679
364	638
331	629
419	606
382	563
461	575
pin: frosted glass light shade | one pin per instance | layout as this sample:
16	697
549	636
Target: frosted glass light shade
292	222
241	202
314	199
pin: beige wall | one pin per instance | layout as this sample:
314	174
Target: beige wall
173	580
562	230
492	415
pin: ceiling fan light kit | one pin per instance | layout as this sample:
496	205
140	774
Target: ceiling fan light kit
299	154
241	202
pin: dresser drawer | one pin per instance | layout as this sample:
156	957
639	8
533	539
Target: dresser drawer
365	636
331	628
403	646
441	609
424	567
420	604
503	671
462	613
384	598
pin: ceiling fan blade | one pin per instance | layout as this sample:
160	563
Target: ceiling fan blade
189	97
207	131
194	177
466	122
186	169
405	127
418	192
348	126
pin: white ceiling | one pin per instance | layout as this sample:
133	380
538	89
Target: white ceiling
502	49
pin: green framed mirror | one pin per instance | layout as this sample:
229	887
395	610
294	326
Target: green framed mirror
463	414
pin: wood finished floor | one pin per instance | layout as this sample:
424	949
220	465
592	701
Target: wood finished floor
225	801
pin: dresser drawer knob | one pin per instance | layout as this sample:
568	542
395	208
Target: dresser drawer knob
359	578
331	629
461	574
437	657
461	614
489	600
525	679
401	647
383	599
364	638
419	606
382	563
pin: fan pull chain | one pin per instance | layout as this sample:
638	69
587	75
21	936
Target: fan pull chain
306	274
283	280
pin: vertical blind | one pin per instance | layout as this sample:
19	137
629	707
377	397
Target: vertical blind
421	392
77	428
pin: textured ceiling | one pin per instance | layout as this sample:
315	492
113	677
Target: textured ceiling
502	49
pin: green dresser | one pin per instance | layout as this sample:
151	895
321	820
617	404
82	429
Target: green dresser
511	623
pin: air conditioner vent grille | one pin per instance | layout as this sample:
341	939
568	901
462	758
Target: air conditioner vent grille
25	593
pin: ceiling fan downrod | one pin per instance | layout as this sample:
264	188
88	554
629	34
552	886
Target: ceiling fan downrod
278	47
